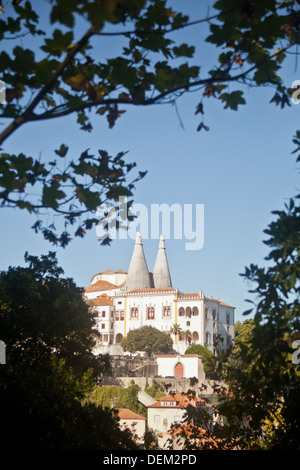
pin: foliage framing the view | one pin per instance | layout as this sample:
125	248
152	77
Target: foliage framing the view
64	73
49	334
263	371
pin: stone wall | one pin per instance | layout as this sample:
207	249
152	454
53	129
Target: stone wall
126	366
173	385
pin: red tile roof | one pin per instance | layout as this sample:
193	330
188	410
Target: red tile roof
203	439
175	355
111	271
124	413
219	301
100	285
150	290
102	300
182	401
226	305
187	296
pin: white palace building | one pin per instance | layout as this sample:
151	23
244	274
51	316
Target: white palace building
128	300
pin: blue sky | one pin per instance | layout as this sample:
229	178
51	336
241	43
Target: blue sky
241	170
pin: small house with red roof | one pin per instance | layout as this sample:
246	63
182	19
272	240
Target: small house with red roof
169	411
134	422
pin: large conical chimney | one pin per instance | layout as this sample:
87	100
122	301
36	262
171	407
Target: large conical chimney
138	276
161	273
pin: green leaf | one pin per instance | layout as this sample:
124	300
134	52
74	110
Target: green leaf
184	50
62	151
59	43
233	99
51	194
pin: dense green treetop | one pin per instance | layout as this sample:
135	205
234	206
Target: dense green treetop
147	339
263	372
41	312
50	367
207	357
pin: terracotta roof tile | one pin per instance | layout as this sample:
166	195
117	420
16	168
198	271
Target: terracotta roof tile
176	355
151	290
182	401
219	301
102	300
100	285
205	439
124	413
226	305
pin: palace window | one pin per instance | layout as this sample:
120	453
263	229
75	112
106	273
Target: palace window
195	336
134	312
166	311
150	313
122	315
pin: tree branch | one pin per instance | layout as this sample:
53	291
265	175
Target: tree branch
29	116
28	113
154	100
159	31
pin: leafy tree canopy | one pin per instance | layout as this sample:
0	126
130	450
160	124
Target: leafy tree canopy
43	313
263	409
59	69
147	339
207	357
50	368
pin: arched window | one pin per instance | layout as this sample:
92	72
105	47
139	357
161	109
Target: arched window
179	370
181	312
166	311
134	312
195	336
195	311
119	338
150	313
188	312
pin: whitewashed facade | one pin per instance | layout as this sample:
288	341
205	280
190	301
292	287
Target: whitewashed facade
175	365
169	411
126	301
